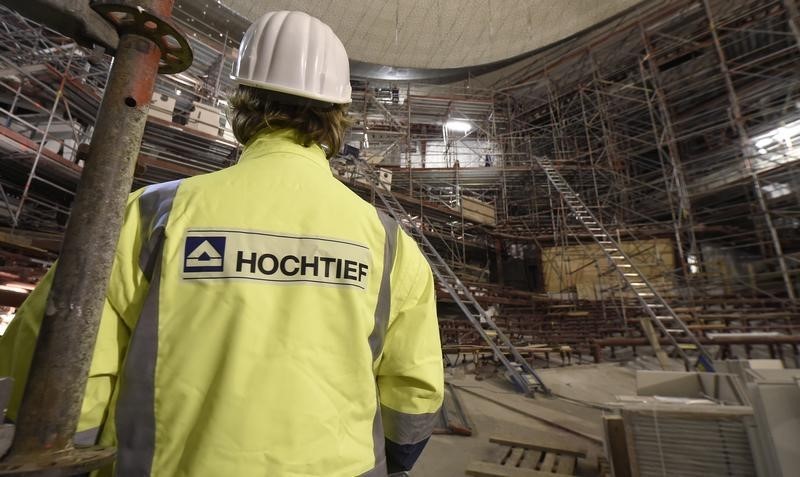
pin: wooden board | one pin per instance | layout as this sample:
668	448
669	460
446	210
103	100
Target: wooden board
514	457
561	448
487	469
531	459
566	464
498	454
548	463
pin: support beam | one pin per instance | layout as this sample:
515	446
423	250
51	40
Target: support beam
47	420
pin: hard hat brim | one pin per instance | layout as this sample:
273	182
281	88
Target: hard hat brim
293	91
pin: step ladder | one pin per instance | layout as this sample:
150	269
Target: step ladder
518	370
658	311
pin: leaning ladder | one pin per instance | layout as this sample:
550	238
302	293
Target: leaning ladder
519	371
658	310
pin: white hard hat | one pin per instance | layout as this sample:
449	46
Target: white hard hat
296	54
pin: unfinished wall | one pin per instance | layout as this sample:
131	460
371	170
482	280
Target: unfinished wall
584	269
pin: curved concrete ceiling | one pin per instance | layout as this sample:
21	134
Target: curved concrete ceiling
444	33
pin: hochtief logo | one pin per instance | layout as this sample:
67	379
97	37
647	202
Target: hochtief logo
204	254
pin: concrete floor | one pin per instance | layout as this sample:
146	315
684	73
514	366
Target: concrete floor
449	455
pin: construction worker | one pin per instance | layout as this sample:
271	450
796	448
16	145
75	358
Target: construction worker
263	319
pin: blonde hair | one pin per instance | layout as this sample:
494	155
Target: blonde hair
253	110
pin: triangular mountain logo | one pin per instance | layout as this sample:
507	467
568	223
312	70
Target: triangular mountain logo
204	254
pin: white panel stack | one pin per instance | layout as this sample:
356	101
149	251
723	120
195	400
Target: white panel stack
206	119
161	107
679	440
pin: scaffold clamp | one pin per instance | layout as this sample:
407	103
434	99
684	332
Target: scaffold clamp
130	17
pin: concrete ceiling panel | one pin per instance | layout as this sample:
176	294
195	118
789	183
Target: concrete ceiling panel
444	33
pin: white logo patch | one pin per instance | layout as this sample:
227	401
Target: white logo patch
271	257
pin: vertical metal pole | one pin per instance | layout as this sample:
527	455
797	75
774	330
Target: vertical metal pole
793	18
682	221
8	206
747	149
408	126
14	104
221	65
47	420
365	126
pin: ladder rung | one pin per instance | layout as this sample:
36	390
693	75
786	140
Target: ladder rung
646	294
631	274
675	330
664	318
623	265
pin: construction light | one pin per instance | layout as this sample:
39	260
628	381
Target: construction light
762	143
458	126
24	286
786	134
13	289
776	140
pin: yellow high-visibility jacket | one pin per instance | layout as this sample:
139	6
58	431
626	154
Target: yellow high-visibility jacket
262	320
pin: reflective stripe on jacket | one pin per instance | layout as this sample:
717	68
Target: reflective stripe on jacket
260	320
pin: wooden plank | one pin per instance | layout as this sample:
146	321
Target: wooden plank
531	459
497	454
549	462
561	448
514	457
486	469
566	464
149	161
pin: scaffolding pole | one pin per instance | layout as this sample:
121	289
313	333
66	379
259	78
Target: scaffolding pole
47	420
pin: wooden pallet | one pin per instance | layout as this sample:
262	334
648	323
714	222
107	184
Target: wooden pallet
517	458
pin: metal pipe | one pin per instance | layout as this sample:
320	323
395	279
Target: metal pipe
47	420
221	65
4	196
793	18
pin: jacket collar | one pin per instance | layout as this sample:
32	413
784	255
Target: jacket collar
282	141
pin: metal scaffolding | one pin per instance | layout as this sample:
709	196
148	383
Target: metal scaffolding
658	125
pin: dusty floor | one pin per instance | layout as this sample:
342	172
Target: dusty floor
449	455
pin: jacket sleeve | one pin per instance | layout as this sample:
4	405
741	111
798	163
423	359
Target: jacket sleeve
410	375
18	342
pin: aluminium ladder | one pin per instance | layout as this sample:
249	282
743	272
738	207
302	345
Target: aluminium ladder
658	310
519	371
